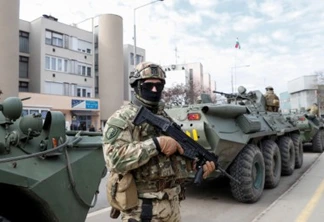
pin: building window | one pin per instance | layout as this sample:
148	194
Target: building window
139	59
54	88
84	46
53	38
84	70
53	64
29	111
65	65
48	38
23	67
56	64
84	92
47	62
190	75
88	71
59	65
23	86
23	42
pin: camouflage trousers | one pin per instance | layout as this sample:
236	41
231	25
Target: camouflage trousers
165	209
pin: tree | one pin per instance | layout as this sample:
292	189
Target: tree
174	95
181	94
192	92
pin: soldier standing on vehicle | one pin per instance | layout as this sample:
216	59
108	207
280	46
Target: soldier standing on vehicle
313	109
272	100
147	173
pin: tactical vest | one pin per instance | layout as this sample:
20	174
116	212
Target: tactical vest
160	171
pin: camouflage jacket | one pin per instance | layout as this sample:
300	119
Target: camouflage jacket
271	99
313	109
128	147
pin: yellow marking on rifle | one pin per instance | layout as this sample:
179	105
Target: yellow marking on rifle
188	133
195	134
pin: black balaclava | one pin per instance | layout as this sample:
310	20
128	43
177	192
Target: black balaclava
147	97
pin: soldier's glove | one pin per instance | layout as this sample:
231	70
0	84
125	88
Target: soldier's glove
208	168
168	145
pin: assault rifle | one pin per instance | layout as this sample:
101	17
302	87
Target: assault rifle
192	149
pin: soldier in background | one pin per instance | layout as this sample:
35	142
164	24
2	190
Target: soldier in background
199	101
150	157
272	100
313	109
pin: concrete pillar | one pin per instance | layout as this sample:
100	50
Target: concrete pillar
111	64
9	45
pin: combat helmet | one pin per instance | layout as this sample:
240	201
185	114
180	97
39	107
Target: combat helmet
269	88
146	70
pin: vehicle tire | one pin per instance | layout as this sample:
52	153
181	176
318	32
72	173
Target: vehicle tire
272	162
287	151
317	143
248	168
299	151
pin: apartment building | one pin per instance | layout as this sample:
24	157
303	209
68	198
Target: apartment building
64	68
194	72
129	64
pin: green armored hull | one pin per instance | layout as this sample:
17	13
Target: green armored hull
311	129
46	174
254	146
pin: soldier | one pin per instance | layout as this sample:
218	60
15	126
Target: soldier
272	100
199	101
151	158
313	109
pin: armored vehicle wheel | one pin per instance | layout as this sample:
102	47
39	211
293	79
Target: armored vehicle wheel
272	162
317	144
299	152
287	151
248	168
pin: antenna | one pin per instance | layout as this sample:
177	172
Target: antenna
176	54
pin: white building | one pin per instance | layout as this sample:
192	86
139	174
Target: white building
176	77
303	91
62	67
129	66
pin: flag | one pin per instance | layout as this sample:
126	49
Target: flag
237	44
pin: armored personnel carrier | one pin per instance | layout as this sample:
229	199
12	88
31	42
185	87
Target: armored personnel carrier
311	129
46	174
254	146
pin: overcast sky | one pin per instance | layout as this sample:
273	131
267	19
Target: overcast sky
280	39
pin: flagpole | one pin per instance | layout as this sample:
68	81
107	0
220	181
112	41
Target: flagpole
235	68
233	72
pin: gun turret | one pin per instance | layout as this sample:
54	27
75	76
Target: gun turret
227	95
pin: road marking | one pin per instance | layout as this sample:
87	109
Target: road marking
307	211
263	213
99	212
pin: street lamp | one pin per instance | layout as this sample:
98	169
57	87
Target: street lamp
232	80
134	56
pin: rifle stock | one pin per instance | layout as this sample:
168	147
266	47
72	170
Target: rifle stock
192	149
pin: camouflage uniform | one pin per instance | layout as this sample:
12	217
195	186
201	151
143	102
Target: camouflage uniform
272	100
313	109
158	178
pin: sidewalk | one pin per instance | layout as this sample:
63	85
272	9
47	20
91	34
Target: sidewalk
303	201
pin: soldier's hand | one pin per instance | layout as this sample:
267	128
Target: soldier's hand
208	168
169	146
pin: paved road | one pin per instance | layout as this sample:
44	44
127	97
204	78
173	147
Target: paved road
303	202
212	201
